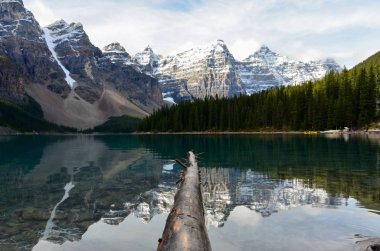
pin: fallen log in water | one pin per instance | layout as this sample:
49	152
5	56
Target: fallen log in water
185	227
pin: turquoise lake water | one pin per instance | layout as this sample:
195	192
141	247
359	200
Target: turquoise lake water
261	192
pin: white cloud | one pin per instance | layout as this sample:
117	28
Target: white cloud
42	12
299	29
243	48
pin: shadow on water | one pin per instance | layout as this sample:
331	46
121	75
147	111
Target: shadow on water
115	176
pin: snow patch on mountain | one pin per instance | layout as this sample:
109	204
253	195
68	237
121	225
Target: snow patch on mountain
51	43
170	100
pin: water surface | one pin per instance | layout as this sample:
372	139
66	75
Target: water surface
261	192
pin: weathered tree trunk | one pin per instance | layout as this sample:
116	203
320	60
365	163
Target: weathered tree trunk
185	227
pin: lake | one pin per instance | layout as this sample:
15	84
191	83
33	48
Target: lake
261	192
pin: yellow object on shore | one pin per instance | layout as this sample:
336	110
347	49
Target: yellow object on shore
311	132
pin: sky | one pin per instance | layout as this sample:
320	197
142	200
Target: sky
346	30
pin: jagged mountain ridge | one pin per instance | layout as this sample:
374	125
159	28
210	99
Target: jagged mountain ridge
265	69
212	70
59	67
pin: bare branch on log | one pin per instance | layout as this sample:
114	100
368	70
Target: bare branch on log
181	164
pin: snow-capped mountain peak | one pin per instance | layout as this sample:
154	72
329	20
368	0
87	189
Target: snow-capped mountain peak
117	53
267	56
219	46
146	57
332	64
12	1
114	47
16	21
265	69
148	50
61	31
146	61
219	43
61	25
58	23
264	50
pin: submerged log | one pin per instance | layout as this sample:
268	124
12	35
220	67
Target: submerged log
185	227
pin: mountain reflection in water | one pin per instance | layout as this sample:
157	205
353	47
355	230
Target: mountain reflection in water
118	176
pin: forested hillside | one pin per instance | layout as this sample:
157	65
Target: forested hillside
27	117
345	99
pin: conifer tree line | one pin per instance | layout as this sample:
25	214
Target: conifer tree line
345	99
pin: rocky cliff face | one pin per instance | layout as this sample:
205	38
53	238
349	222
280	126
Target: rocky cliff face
22	45
199	73
11	85
125	77
72	49
74	82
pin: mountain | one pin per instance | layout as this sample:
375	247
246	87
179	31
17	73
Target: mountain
265	69
75	84
196	73
212	70
199	73
78	85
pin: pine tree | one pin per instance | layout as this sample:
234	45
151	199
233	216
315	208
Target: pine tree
366	102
